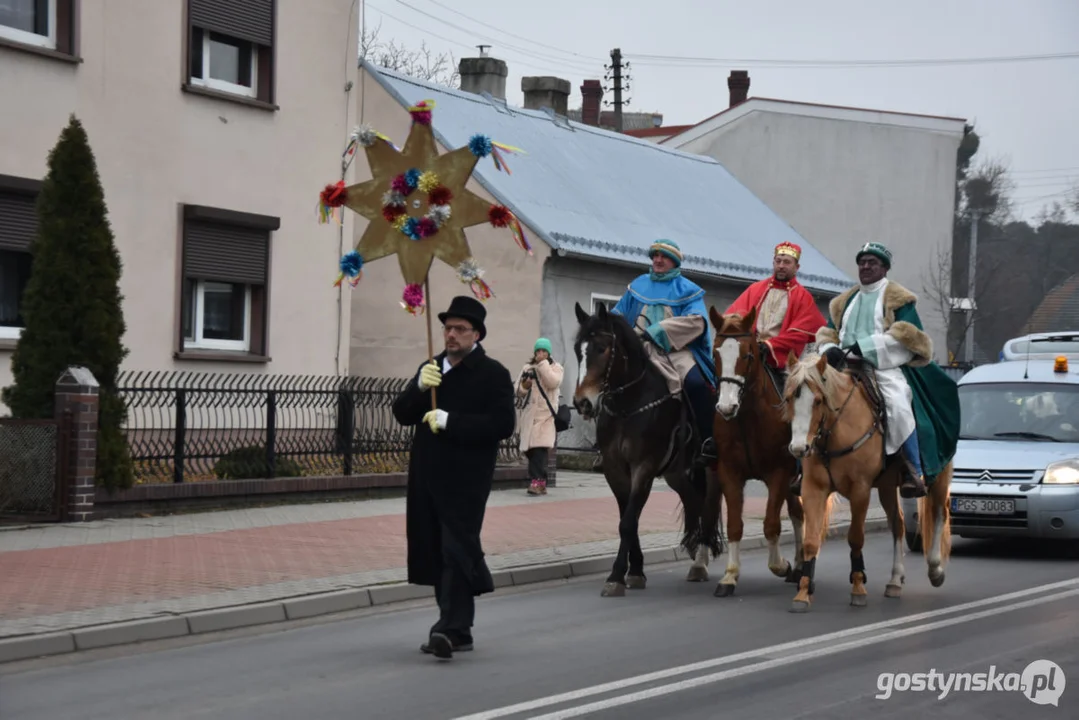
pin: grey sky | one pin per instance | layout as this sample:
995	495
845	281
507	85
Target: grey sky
1025	111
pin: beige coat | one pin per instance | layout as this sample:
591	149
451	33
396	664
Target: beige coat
537	422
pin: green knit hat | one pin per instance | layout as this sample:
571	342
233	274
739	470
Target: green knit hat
878	250
543	344
669	248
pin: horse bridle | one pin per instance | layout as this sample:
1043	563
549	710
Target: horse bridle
740	383
605	390
819	446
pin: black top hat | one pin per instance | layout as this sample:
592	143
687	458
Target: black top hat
469	309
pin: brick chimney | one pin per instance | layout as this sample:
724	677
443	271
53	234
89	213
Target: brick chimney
738	84
483	73
546	91
591	99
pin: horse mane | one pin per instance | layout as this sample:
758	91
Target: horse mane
807	372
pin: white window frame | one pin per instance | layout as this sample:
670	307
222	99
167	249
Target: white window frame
221	85
603	297
197	342
30	38
10	333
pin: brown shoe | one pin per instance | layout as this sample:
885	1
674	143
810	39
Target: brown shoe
912	485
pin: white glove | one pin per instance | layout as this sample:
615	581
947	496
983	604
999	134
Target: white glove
430	376
436	419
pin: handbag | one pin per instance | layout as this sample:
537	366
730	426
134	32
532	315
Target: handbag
561	417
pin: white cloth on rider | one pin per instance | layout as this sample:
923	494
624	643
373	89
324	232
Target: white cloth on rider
772	313
681	331
863	323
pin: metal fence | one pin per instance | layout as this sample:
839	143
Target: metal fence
184	427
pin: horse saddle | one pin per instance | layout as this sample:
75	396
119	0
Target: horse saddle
864	376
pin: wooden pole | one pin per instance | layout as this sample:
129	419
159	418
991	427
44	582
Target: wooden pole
430	342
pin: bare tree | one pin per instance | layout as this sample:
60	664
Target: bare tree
423	64
988	189
937	285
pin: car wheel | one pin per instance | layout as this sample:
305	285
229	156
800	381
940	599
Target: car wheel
914	542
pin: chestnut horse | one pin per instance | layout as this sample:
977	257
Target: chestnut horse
752	442
838	428
643	432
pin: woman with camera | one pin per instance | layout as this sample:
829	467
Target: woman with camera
544	376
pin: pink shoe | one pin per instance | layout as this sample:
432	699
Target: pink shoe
533	489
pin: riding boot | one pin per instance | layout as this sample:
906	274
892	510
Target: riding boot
703	403
913	484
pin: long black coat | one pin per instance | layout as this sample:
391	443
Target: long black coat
450	473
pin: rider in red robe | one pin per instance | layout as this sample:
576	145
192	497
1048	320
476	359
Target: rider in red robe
787	316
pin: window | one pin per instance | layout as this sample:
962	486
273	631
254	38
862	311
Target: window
225	281
1020	412
18	225
231	47
609	301
43	24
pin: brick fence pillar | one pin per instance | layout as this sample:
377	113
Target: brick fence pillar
77	393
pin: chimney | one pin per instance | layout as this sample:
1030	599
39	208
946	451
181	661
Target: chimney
738	84
483	73
591	98
546	91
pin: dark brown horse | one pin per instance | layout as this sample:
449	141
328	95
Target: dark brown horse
752	442
643	432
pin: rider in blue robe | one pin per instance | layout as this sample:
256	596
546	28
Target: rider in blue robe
670	310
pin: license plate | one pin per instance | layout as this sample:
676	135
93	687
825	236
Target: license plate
983	506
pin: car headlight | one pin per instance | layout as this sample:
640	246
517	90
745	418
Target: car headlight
1065	472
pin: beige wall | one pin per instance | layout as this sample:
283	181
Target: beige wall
841	184
388	342
157	147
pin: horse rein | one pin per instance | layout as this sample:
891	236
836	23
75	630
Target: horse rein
819	446
605	390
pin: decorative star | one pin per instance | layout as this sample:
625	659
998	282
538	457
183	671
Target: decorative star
452	171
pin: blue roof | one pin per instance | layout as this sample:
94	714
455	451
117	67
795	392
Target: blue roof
607	196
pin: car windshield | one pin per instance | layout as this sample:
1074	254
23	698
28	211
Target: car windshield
1013	411
1043	347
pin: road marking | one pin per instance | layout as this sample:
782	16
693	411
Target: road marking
791	659
755	654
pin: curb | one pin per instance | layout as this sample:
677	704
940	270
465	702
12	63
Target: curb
308	606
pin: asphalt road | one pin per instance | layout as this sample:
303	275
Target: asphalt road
670	651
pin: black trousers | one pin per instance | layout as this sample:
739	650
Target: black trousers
702	401
453	591
537	463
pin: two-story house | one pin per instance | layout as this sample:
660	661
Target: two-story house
214	124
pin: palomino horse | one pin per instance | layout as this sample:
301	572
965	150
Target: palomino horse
838	427
643	432
752	441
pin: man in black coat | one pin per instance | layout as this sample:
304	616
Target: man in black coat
451	468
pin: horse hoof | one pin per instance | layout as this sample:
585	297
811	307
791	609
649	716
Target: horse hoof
938	580
697	574
799	606
613	589
857	600
784	573
724	590
636	582
892	591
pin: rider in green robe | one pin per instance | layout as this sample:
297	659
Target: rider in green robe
878	322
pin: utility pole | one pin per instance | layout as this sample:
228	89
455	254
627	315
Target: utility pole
975	216
621	82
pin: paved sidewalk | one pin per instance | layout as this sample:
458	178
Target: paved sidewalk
61	578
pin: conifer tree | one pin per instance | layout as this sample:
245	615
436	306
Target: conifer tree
72	303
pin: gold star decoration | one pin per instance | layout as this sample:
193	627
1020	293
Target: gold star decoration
417	206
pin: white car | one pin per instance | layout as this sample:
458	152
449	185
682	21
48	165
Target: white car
1016	467
1042	346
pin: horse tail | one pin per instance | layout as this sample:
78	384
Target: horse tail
936	501
826	521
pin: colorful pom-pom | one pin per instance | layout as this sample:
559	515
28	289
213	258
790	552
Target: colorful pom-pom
412	177
392	197
400	185
421	112
412	299
440	195
439	213
499	215
391	212
351	267
332	197
480	145
428	181
469	273
399	223
426	227
365	135
411	228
